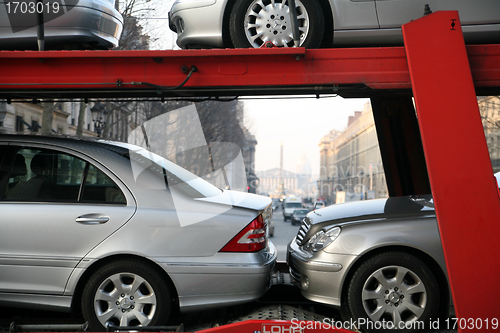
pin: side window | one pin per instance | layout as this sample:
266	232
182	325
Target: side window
100	188
31	175
48	175
4	169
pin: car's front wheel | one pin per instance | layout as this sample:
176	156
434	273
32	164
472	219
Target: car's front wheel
393	291
125	293
255	22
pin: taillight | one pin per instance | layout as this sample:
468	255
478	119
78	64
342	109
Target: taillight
250	239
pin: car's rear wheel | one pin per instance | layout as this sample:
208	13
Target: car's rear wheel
126	293
255	22
393	291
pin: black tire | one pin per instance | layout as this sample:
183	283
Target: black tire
401	285
104	302
310	17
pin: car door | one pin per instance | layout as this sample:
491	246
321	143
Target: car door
394	13
56	205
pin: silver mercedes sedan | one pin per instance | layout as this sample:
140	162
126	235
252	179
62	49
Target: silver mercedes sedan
322	23
123	235
378	261
68	24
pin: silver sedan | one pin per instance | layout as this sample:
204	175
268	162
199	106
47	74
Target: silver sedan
252	23
379	261
68	24
123	235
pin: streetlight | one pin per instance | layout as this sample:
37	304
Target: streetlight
98	111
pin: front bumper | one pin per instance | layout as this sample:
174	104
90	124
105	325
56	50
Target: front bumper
198	24
320	275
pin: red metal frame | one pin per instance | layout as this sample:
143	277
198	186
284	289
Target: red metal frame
464	189
442	72
220	72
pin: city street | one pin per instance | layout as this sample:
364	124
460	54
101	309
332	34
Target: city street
284	232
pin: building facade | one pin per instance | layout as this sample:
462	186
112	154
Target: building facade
489	107
26	118
350	162
275	183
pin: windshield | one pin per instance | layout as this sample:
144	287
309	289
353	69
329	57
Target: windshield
293	205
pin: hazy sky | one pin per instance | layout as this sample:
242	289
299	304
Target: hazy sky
297	123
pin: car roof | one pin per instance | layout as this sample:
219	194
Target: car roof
69	141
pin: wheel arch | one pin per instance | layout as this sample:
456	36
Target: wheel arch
327	15
77	294
444	289
226	39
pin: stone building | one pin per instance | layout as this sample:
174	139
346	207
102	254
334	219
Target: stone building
489	107
27	118
350	162
275	183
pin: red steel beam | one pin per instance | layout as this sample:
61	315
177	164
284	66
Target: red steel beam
139	72
460	172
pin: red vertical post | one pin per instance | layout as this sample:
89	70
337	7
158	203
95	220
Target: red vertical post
459	166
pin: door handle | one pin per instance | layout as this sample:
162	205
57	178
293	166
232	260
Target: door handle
93	218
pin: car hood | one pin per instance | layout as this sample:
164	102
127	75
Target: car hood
365	212
394	207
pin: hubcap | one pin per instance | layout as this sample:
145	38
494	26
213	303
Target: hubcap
394	294
269	21
125	299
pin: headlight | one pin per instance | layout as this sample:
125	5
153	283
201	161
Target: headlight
322	239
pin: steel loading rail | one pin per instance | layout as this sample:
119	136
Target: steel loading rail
446	144
359	72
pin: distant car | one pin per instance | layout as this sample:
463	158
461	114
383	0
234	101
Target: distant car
298	215
252	23
123	235
276	204
380	260
270	227
71	24
290	204
319	204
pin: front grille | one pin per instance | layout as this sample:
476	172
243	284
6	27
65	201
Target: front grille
304	229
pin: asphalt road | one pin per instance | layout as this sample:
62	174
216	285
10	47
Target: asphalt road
284	232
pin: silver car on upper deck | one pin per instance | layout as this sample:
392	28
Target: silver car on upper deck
122	234
322	23
68	24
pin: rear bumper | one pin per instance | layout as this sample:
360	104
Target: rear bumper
226	280
87	23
